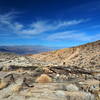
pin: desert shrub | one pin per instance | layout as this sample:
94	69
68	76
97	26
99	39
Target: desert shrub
43	79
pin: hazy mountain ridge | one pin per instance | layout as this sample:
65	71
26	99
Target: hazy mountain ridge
25	49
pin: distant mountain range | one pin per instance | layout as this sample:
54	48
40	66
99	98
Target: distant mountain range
25	49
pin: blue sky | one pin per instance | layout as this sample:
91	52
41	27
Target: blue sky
54	23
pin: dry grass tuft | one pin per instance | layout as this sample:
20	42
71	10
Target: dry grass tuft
44	79
16	88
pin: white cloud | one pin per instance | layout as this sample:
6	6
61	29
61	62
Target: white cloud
70	23
73	35
40	27
9	25
7	22
6	18
35	28
44	26
18	26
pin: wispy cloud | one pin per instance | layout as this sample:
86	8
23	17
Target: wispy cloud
35	28
73	35
45	26
95	26
9	25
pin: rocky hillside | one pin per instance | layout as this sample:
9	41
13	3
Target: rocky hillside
21	79
67	74
82	56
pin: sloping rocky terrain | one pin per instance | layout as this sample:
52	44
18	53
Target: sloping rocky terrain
87	55
67	74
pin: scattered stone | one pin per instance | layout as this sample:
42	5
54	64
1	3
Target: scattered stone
72	88
60	93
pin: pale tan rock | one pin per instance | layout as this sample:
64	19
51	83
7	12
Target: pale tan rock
44	79
3	84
